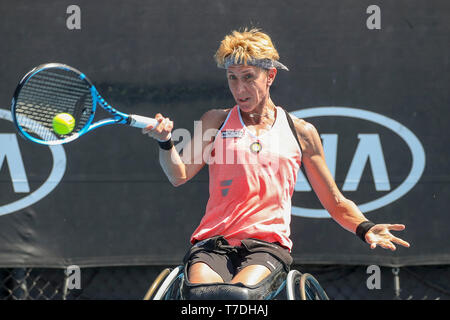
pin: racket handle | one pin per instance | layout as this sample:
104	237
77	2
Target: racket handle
141	122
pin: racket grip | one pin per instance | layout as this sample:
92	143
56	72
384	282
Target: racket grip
141	122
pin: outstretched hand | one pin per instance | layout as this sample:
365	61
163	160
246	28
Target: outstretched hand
379	235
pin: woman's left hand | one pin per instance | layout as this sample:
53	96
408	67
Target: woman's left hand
379	235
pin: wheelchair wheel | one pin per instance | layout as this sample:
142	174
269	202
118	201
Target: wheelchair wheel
310	289
169	289
303	287
156	284
293	285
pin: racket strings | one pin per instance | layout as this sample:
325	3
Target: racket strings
48	93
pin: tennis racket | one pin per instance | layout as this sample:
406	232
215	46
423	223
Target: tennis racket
51	89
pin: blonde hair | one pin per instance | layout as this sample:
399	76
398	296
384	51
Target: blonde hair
246	45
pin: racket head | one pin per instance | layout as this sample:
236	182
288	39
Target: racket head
48	90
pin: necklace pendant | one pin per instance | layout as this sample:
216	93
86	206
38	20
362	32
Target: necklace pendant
255	147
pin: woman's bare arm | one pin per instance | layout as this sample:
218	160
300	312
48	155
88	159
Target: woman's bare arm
342	210
181	168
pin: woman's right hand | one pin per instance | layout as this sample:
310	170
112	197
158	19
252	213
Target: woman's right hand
163	129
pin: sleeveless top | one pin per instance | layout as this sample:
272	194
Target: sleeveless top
251	182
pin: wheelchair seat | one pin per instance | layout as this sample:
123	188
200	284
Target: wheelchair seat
172	284
267	288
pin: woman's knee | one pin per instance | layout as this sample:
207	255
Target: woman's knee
251	275
202	273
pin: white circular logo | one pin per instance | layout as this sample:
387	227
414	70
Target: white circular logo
413	143
56	174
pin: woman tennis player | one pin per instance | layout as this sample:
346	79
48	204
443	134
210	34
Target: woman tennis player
244	234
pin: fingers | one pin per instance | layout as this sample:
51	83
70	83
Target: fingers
164	127
384	244
400	242
158	117
396	227
390	246
147	129
383	238
388	243
162	130
371	241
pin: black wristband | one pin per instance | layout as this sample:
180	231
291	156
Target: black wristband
166	145
362	229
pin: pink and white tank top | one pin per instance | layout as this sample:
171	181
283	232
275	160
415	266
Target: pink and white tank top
251	182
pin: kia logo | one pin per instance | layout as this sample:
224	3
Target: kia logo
10	155
369	150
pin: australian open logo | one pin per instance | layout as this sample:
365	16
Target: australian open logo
374	159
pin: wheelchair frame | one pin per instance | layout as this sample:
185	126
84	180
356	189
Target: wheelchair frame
298	286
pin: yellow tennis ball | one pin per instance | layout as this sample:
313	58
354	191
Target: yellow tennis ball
63	123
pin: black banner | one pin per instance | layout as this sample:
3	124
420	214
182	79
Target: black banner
372	79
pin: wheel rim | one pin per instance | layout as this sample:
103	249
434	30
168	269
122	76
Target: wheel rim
170	279
162	275
291	279
310	289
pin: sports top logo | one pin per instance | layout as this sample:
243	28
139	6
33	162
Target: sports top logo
369	149
11	155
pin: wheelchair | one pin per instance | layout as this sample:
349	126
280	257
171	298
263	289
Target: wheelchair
172	284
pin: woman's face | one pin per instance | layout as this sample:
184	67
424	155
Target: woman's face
250	85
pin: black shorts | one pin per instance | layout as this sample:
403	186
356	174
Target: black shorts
228	260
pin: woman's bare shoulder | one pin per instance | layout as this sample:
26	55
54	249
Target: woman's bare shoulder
213	118
303	127
307	133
